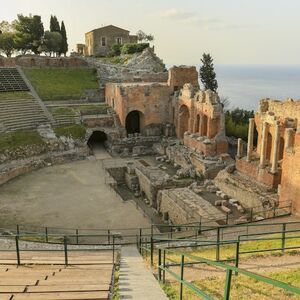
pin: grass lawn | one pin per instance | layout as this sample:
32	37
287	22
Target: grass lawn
75	131
242	288
15	95
13	140
62	84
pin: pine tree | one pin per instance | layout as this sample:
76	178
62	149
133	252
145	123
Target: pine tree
64	43
207	73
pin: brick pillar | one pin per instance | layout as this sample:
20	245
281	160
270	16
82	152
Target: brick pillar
250	139
263	145
289	137
239	153
274	167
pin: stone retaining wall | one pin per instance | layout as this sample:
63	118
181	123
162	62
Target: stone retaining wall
20	167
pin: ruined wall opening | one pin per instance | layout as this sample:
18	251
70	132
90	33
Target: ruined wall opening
204	125
197	128
269	146
281	149
134	122
97	140
184	117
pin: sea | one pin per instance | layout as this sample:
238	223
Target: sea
245	85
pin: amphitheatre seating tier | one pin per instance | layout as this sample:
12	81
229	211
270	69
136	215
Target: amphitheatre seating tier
11	80
88	276
21	114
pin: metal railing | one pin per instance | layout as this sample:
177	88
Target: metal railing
64	241
163	267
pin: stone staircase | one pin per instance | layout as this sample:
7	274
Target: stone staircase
11	80
21	114
117	123
42	275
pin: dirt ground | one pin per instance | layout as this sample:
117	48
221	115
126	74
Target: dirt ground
72	195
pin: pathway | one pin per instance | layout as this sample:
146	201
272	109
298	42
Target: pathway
136	281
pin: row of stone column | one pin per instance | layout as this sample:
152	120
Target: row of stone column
264	144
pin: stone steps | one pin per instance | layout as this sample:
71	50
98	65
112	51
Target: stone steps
11	80
21	114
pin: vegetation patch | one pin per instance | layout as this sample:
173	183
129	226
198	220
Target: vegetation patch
13	140
75	131
242	287
15	95
62	84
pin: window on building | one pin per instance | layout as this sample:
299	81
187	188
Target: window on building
103	41
119	40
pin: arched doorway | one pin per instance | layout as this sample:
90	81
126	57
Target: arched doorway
204	125
97	140
134	122
184	117
269	147
281	149
197	128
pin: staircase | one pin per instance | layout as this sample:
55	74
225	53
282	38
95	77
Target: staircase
11	80
21	114
42	275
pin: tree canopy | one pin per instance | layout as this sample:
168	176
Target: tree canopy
64	42
51	42
29	31
207	73
7	43
143	37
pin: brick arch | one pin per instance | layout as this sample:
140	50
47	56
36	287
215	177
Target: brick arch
183	119
204	125
269	146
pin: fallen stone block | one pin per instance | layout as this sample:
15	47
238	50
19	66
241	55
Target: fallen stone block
224	202
218	202
226	209
233	201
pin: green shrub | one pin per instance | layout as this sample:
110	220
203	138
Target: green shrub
115	50
133	48
74	131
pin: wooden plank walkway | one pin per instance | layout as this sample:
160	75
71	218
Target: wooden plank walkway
136	281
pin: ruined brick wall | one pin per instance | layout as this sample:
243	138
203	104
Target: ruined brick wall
290	183
263	176
151	100
178	76
200	113
30	61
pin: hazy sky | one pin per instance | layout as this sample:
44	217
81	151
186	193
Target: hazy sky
233	31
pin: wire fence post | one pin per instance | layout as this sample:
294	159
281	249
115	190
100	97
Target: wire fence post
18	250
251	214
113	237
164	266
227	284
46	234
159	264
283	237
151	250
140	240
237	255
108	236
181	276
18	229
66	250
199	230
77	237
218	245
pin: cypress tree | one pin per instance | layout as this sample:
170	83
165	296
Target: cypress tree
64	44
207	73
54	24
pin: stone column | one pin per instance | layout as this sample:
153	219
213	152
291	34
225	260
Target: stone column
289	137
239	153
274	167
201	124
250	139
263	145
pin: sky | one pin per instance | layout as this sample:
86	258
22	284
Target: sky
233	31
